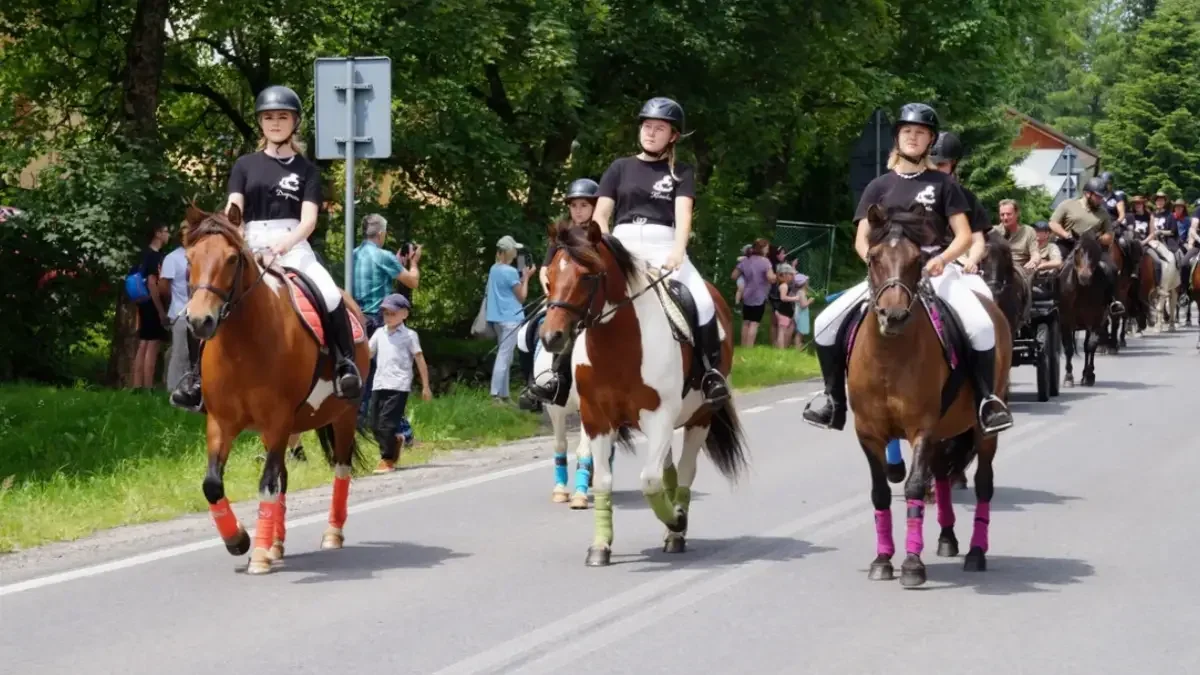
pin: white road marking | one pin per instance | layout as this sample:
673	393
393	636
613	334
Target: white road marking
793	399
756	409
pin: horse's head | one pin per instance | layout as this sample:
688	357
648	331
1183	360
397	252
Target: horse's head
894	265
997	266
217	259
589	270
1085	259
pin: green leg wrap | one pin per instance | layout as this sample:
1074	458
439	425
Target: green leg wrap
662	506
602	507
683	497
670	481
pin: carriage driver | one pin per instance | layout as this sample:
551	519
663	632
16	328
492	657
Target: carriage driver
279	193
912	181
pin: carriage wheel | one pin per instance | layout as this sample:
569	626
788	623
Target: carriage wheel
1055	357
1044	334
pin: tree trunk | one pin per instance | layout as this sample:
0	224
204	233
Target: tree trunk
145	55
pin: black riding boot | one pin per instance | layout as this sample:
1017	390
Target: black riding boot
716	390
347	383
832	415
187	394
994	416
1110	276
561	375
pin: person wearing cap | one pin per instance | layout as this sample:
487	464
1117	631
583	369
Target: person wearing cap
787	297
1049	256
1076	217
395	348
506	291
278	192
648	199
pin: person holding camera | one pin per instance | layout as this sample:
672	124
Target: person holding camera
507	288
375	270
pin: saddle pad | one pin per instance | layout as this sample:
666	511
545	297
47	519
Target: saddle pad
306	309
945	324
679	323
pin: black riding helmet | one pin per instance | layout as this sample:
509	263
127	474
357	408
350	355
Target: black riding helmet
1107	177
1095	185
918	113
662	108
1041	226
278	97
583	188
948	148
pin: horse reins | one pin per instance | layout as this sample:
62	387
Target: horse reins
228	302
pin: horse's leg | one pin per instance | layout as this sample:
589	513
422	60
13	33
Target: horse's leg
558	420
583	472
1068	343
681	491
881	498
976	559
220	440
343	456
1172	309
1091	340
600	552
659	427
277	547
943	480
269	511
912	571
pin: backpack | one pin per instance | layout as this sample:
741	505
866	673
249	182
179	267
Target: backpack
135	285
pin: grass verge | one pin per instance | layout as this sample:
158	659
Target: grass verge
761	366
74	461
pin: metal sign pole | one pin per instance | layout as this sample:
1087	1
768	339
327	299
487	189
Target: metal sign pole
1070	153
350	147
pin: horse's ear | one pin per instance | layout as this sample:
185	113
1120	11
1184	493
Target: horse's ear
875	215
594	233
194	215
234	216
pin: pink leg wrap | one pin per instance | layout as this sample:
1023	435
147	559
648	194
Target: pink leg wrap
915	542
883	533
945	507
983	516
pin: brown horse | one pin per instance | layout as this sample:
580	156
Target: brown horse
630	372
898	379
1084	301
264	369
1124	294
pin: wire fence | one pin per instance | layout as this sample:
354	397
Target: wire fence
811	246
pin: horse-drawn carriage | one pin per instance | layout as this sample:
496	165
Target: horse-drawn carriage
1038	341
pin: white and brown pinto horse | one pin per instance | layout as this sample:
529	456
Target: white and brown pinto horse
630	373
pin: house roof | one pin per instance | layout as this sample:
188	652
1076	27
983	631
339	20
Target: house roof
1054	133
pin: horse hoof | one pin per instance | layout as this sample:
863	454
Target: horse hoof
881	570
276	552
579	501
332	539
599	556
240	543
1069	382
912	572
559	496
947	547
260	562
976	560
674	543
896	472
1089	380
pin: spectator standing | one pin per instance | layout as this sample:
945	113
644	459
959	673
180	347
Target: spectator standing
174	285
759	274
506	291
375	270
152	316
395	349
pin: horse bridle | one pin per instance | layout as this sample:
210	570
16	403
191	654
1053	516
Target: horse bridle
896	282
584	311
228	302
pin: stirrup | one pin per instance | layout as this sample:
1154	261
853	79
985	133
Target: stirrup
991	431
1116	308
808	410
721	385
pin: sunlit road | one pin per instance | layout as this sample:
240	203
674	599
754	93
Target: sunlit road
1092	567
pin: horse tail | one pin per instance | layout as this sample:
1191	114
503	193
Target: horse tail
624	440
725	445
328	438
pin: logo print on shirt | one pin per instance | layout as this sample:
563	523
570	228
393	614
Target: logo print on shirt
663	188
926	197
288	185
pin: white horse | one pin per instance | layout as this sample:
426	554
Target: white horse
1166	293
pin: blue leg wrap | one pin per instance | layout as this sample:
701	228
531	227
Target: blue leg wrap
893	452
583	474
560	469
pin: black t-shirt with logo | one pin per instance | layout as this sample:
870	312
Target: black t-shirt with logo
940	194
1140	222
274	188
976	214
646	190
1111	201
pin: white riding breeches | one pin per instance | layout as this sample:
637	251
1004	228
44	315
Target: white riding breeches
262	233
953	286
653	243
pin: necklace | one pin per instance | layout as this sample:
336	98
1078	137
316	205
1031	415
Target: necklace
910	176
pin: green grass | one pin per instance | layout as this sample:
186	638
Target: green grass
761	366
73	461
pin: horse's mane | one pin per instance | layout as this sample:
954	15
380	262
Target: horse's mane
1089	243
215	223
998	264
574	242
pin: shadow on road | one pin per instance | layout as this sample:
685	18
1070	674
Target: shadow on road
361	561
1026	402
1131	352
720	553
634	500
1009	575
1008	498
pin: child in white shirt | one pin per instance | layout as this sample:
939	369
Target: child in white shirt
395	348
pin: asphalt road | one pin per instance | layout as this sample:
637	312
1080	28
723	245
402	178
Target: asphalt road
1092	540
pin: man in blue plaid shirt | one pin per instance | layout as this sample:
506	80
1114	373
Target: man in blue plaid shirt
375	270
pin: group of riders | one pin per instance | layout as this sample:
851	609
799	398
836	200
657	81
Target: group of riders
649	196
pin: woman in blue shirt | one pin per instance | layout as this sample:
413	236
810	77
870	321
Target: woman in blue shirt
506	290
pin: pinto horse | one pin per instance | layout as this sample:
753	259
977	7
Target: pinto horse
629	372
1194	293
263	370
1083	305
901	385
